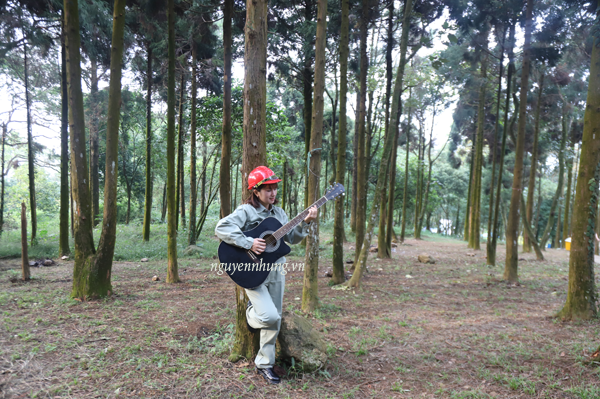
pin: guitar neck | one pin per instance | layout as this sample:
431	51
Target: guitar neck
283	230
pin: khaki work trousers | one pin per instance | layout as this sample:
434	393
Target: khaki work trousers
265	313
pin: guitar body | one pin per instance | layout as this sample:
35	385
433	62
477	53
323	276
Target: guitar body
249	270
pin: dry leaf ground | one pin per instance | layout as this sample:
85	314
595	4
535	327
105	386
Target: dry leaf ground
453	330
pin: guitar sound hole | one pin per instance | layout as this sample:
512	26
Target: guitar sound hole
272	243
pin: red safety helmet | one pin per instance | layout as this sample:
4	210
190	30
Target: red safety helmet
261	175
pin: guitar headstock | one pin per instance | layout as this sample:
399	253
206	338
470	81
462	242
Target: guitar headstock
335	191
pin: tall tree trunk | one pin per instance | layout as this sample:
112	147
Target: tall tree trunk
495	148
361	156
384	240
172	270
82	226
387	150
225	171
24	257
467	229
148	192
475	214
63	244
567	202
557	230
203	178
307	81
92	272
512	258
405	199
193	190
164	203
310	298
532	173
30	155
254	152
491	249
2	183
418	184
180	197
561	173
354	202
94	142
581	295
338	224
128	205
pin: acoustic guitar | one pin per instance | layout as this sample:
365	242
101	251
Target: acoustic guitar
249	270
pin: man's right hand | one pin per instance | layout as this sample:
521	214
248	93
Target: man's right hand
259	246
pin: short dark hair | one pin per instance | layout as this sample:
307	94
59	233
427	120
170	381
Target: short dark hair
253	199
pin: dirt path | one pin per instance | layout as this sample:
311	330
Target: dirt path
447	330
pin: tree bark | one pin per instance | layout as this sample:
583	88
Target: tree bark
561	173
405	200
387	150
475	214
512	258
63	244
30	155
491	249
361	156
225	171
384	240
24	257
193	191
495	147
180	195
92	272
557	231
567	202
172	270
581	295
2	183
534	160
94	179
254	143
338	224
310	298
148	192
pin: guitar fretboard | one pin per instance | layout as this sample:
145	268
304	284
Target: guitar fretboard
283	230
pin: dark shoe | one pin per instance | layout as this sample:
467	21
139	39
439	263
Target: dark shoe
269	375
250	328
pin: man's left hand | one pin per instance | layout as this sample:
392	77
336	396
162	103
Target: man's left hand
312	214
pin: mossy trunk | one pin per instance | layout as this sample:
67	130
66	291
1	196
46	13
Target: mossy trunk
63	243
225	169
581	295
92	274
180	194
254	145
172	270
148	192
94	138
512	258
338	224
310	298
475	212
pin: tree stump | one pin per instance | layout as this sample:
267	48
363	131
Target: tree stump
299	340
424	258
